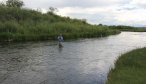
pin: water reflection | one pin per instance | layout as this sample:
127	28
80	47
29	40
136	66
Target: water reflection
86	61
60	49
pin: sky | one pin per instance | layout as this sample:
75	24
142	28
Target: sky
107	12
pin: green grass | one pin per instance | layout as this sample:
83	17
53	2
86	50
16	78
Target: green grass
129	28
20	24
130	68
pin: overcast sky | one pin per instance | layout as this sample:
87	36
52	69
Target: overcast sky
109	12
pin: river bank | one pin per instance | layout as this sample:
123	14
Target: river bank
129	28
51	31
22	24
130	68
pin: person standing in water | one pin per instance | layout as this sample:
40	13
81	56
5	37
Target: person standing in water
60	39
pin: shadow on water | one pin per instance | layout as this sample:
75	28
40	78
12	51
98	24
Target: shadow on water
60	49
85	61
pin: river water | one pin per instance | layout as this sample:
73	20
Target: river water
84	61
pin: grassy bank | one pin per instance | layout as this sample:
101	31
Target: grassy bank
21	24
130	68
129	28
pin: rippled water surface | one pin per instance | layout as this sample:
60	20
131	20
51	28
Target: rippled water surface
86	61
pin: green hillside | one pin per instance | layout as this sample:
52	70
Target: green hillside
21	24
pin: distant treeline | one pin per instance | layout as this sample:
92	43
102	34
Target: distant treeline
128	28
21	24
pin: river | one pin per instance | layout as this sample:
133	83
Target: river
83	61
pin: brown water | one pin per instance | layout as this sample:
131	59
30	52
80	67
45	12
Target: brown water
85	61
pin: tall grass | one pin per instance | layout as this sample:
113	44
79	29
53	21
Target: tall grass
130	68
44	31
24	25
